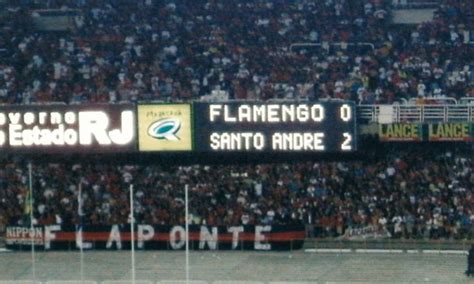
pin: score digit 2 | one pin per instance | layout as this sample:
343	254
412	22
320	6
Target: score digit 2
346	145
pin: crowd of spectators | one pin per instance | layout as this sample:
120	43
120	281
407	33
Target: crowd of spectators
128	50
414	192
146	50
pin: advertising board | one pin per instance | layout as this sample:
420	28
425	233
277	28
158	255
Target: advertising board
164	127
433	132
68	129
158	237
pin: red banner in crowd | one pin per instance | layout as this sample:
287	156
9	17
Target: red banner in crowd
115	237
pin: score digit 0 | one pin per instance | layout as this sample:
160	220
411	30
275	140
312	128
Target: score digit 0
345	112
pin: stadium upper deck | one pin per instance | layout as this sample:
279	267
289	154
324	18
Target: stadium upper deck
183	50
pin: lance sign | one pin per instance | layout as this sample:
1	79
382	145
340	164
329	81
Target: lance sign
58	128
117	237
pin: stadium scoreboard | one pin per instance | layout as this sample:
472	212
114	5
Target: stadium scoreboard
275	127
240	127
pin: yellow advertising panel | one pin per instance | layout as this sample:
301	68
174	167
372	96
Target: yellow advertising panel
401	132
164	127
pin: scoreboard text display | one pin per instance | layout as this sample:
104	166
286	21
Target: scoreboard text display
275	127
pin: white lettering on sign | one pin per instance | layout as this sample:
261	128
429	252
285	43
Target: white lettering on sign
214	111
260	239
298	141
177	237
201	237
68	128
29	118
93	124
3	119
3	139
14	117
42	117
145	233
49	234
70	117
235	235
206	237
272	113
124	135
114	236
15	135
56	118
80	239
42	137
237	141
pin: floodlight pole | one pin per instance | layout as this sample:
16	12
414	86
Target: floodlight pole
32	228
132	231
79	213
186	187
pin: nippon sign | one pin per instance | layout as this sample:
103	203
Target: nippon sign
82	128
24	236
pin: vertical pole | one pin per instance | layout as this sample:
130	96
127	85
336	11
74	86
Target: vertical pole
81	236
32	228
132	231
186	187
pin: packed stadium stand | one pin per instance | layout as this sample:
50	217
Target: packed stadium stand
142	51
114	51
414	193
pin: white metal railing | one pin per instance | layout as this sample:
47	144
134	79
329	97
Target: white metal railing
466	100
436	100
413	4
416	113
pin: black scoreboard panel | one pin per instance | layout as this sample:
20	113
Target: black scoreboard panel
319	127
197	128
